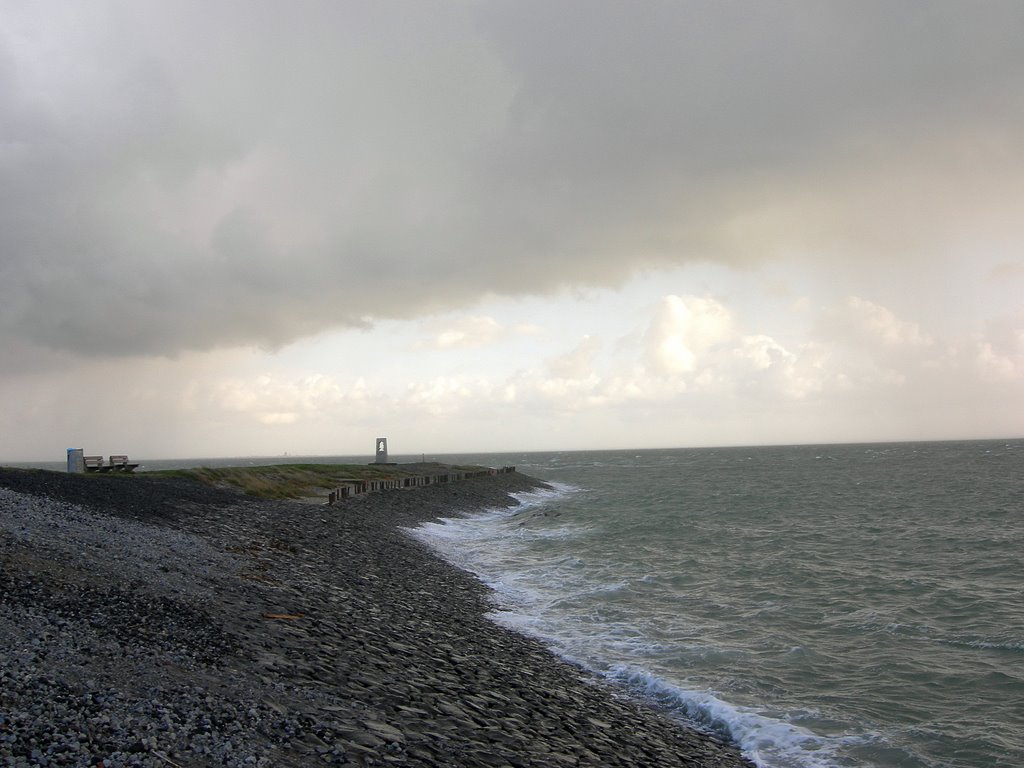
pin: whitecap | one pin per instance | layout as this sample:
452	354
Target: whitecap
769	742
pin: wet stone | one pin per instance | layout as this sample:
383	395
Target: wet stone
384	731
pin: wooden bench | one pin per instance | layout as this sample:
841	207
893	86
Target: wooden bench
120	464
94	464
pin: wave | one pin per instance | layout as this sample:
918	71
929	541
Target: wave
987	644
872	622
542	495
468	542
484	545
767	741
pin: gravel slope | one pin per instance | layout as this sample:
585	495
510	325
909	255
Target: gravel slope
152	622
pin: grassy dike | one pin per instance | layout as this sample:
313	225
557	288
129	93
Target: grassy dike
302	481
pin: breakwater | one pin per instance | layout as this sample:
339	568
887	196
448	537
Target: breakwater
349	487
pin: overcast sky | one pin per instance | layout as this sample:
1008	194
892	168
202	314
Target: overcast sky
249	228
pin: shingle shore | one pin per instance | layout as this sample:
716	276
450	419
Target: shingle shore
154	622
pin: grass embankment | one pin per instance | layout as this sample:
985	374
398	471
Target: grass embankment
301	481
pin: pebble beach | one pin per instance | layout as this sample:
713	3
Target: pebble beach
152	621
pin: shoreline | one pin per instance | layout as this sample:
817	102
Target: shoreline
166	623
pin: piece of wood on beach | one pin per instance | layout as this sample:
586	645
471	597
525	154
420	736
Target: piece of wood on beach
284	616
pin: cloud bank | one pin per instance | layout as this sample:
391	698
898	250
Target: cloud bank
700	373
181	176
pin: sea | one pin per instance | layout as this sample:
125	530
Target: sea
820	606
830	605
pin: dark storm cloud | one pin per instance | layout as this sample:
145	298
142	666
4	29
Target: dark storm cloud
188	176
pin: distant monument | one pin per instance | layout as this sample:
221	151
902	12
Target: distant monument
382	450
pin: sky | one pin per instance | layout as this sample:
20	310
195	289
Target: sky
249	228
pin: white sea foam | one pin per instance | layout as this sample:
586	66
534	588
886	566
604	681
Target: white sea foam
765	740
990	645
768	742
481	543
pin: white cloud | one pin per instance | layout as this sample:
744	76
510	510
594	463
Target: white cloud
869	345
577	363
683	329
278	418
997	366
273	399
446	395
762	352
470	332
695	349
474	331
880	324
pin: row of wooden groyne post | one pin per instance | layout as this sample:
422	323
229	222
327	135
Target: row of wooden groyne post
356	486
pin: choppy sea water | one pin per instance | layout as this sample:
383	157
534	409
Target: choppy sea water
848	605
